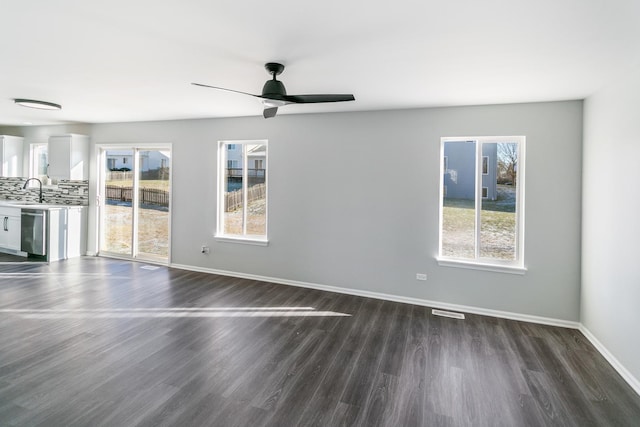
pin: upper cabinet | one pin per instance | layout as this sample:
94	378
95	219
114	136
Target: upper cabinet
69	157
10	155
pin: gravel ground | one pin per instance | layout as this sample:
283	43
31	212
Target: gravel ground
153	231
256	219
498	224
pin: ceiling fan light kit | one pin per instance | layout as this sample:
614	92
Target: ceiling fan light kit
41	105
274	94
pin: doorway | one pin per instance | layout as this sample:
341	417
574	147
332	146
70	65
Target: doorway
135	202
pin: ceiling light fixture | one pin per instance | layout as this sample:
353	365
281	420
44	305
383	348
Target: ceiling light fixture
42	105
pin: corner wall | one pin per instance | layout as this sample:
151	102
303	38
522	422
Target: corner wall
610	300
353	201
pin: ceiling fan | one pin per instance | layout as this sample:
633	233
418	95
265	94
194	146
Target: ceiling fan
274	94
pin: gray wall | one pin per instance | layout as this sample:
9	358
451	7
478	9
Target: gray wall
611	231
361	211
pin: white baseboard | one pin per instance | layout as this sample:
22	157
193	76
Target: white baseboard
390	297
626	375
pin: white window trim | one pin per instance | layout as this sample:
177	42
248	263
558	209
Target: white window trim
248	239
515	267
480	265
245	240
487	196
483	172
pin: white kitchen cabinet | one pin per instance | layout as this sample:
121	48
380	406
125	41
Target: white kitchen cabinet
10	228
10	155
69	157
67	233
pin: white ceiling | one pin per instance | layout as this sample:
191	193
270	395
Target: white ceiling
134	60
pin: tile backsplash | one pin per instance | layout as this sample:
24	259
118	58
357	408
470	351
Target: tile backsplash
65	193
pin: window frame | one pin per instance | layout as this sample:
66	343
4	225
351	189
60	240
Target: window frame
223	149
516	266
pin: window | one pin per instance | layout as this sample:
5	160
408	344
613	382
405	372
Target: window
481	211
39	163
242	193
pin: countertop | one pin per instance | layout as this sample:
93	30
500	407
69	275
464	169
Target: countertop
34	205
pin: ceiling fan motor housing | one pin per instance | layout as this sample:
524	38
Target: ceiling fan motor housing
274	89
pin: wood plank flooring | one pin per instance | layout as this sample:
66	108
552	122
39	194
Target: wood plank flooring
11	258
99	342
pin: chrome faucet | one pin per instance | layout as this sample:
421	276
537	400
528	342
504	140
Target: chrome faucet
39	182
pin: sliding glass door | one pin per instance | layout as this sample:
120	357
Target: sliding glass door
152	225
135	202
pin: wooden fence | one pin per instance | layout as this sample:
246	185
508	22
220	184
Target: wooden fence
251	173
151	196
234	199
161	174
148	196
119	176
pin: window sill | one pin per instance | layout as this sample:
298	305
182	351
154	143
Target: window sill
497	268
242	240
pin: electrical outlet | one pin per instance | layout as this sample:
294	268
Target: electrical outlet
421	276
205	249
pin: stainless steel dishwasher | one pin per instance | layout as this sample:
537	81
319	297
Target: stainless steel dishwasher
34	231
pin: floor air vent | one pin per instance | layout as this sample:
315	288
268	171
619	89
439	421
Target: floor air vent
451	314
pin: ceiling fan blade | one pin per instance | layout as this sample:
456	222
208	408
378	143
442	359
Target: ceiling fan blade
270	112
222	88
312	99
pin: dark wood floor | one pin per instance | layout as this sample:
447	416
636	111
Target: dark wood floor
93	342
10	258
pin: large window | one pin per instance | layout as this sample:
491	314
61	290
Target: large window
481	202
242	190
